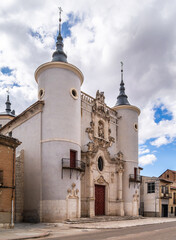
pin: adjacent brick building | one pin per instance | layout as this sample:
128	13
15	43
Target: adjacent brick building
158	195
7	180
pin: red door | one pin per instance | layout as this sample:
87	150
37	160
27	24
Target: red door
99	200
72	159
135	173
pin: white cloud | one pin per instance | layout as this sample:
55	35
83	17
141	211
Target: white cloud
143	151
160	141
98	42
147	159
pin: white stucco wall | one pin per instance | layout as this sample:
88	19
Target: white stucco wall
29	133
150	200
127	143
61	132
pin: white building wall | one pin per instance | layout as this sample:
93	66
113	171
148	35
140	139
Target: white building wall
150	201
127	143
61	132
29	133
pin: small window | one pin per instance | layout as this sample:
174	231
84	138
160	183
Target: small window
172	210
41	93
136	126
0	125
151	187
1	177
174	199
74	93
165	189
167	175
100	163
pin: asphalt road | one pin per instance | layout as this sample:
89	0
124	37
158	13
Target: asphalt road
162	231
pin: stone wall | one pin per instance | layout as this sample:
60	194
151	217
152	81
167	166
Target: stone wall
19	187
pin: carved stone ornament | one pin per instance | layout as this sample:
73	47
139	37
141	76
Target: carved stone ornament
100	135
136	197
120	155
100	107
73	192
101	180
118	159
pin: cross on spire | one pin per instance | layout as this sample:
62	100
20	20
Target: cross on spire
59	55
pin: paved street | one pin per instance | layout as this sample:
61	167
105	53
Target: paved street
163	231
108	228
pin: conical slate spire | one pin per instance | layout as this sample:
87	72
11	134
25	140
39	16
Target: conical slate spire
59	55
122	99
8	104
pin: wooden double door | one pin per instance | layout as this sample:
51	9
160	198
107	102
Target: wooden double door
99	200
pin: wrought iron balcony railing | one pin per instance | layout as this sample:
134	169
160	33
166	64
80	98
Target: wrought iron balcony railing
135	178
77	165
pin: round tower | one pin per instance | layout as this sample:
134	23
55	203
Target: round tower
127	143
59	85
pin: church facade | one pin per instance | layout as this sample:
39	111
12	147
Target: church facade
80	156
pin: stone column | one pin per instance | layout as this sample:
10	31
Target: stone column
91	194
120	173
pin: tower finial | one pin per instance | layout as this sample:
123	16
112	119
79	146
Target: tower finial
121	71
60	20
122	98
8	103
59	55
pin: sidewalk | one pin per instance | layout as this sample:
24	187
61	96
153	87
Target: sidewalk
40	230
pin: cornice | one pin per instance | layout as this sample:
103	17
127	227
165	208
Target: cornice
62	65
23	117
130	107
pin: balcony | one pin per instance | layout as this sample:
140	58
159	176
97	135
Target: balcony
135	178
166	195
73	165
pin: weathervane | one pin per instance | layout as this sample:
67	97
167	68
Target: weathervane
121	71
60	11
7	91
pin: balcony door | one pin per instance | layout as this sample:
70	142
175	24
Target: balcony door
72	159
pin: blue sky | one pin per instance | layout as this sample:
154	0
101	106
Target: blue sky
96	40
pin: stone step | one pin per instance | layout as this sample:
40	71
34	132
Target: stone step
101	219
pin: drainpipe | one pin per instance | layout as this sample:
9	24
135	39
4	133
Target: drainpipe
12	223
13	187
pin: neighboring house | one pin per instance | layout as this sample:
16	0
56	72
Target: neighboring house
81	156
157	197
7	180
169	175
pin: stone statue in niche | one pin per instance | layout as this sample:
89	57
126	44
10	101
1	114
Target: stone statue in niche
100	96
100	129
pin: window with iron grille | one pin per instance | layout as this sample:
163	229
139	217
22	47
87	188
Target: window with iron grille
174	199
165	189
172	210
151	187
1	177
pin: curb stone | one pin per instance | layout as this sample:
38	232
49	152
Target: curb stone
30	237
